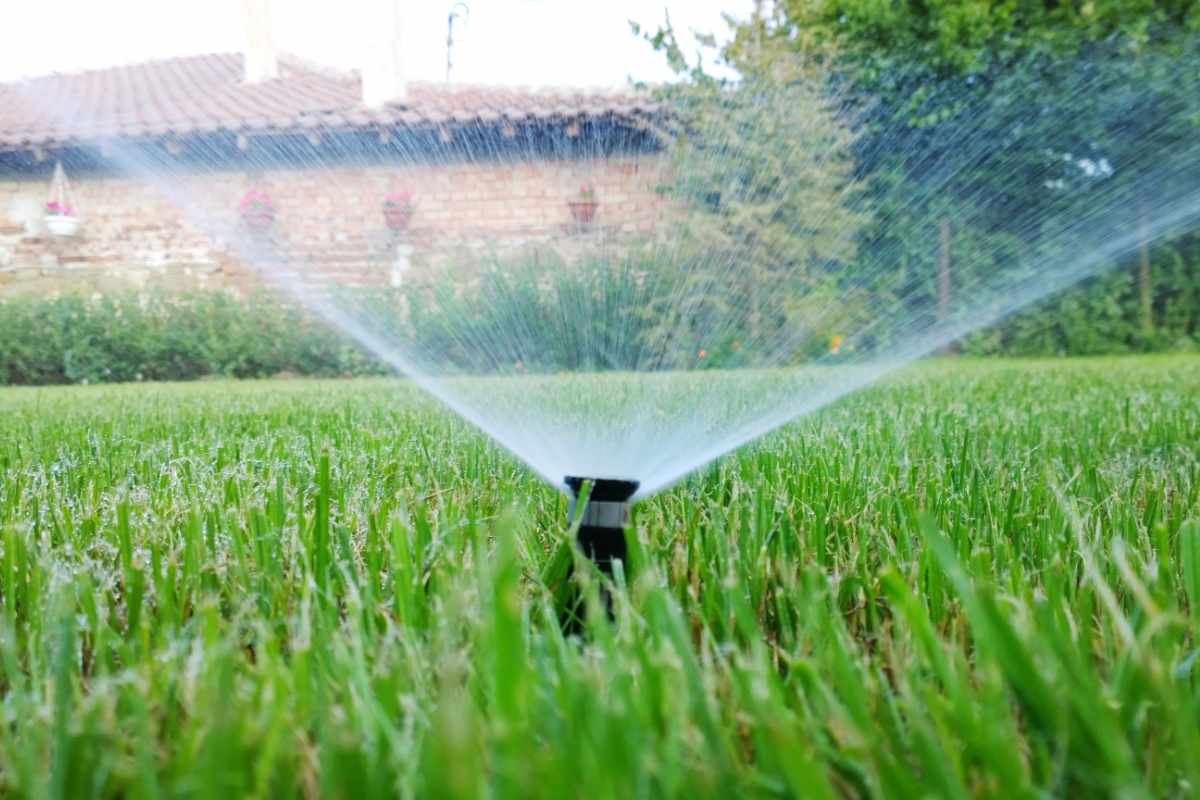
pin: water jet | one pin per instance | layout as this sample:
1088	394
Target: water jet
768	247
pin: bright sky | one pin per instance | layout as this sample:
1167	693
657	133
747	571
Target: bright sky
561	42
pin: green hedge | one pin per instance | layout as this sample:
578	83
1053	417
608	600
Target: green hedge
73	339
1103	315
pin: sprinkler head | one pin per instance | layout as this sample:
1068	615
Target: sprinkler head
603	518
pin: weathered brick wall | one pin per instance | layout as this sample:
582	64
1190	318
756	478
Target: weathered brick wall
185	232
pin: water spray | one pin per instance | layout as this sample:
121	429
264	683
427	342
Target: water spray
646	356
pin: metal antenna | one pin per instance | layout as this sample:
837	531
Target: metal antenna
457	11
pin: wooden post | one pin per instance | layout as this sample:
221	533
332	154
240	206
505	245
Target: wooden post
755	306
1145	278
943	276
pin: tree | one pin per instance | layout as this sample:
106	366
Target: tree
763	168
959	37
992	144
1025	48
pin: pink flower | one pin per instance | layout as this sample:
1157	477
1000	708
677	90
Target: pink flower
256	202
399	201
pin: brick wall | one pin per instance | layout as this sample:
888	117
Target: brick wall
185	232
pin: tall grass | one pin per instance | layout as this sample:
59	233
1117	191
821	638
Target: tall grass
981	579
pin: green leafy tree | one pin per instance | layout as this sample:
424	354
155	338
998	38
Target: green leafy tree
952	37
1103	75
764	170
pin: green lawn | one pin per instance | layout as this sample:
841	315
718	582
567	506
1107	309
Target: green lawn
979	579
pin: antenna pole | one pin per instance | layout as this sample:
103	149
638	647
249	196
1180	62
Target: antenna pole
457	11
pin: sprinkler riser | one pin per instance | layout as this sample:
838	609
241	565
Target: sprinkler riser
600	514
603	518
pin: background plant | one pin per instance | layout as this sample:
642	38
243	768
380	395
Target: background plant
1099	76
130	337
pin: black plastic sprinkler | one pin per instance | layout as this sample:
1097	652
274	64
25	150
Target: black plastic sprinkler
603	518
602	521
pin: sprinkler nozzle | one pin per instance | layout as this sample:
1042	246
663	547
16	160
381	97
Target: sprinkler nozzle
603	518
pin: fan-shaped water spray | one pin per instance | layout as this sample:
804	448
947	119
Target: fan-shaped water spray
780	243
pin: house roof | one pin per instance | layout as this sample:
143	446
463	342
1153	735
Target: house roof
206	94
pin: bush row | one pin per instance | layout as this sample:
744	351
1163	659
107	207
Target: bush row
126	337
73	339
1104	315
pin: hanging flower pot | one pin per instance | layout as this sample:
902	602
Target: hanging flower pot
583	207
257	211
60	217
60	220
398	209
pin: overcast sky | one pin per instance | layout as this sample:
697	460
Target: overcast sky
562	42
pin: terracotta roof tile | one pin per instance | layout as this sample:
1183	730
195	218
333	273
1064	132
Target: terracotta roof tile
206	94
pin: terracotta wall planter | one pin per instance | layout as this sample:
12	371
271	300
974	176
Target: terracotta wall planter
259	221
396	218
583	211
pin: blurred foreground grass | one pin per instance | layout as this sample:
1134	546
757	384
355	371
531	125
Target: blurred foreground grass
979	579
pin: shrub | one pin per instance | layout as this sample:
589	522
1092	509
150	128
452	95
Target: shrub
128	337
540	314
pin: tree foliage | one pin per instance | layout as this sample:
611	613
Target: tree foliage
996	121
961	36
764	172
